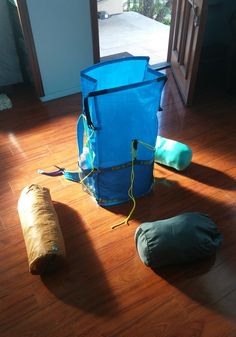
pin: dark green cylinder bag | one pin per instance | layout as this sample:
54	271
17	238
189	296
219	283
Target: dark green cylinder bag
183	238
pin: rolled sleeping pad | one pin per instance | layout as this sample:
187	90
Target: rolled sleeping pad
42	234
172	153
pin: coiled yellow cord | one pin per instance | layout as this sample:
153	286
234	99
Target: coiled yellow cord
130	191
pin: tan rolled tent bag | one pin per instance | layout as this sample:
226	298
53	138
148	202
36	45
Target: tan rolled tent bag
41	230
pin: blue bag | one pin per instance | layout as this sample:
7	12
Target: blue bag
120	103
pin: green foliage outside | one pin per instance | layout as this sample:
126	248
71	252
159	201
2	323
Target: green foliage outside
159	10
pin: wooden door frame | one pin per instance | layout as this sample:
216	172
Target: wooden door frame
188	100
95	32
30	46
171	33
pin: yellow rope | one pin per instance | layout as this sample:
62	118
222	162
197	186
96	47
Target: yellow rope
148	146
130	191
87	140
83	179
90	157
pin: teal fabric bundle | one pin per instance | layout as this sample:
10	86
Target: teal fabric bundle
172	153
183	238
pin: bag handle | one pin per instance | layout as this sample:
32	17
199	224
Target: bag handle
87	113
80	134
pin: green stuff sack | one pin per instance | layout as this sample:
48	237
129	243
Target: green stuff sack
183	238
172	153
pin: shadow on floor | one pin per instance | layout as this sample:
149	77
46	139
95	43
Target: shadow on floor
208	175
168	198
206	282
82	282
28	112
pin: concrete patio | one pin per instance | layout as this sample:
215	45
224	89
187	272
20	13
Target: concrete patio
133	33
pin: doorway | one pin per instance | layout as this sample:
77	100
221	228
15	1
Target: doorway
183	41
134	27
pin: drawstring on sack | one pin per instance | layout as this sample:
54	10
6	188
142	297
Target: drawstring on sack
134	148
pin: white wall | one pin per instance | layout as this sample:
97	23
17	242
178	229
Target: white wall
63	41
10	72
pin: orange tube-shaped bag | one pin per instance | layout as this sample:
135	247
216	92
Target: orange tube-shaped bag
42	234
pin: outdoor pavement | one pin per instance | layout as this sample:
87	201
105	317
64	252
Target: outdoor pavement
134	33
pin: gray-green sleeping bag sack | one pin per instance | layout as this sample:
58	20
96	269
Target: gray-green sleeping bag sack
176	240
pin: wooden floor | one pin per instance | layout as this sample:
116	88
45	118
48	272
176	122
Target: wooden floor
105	290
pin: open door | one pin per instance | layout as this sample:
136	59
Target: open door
186	35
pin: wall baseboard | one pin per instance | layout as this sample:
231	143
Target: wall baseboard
59	94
